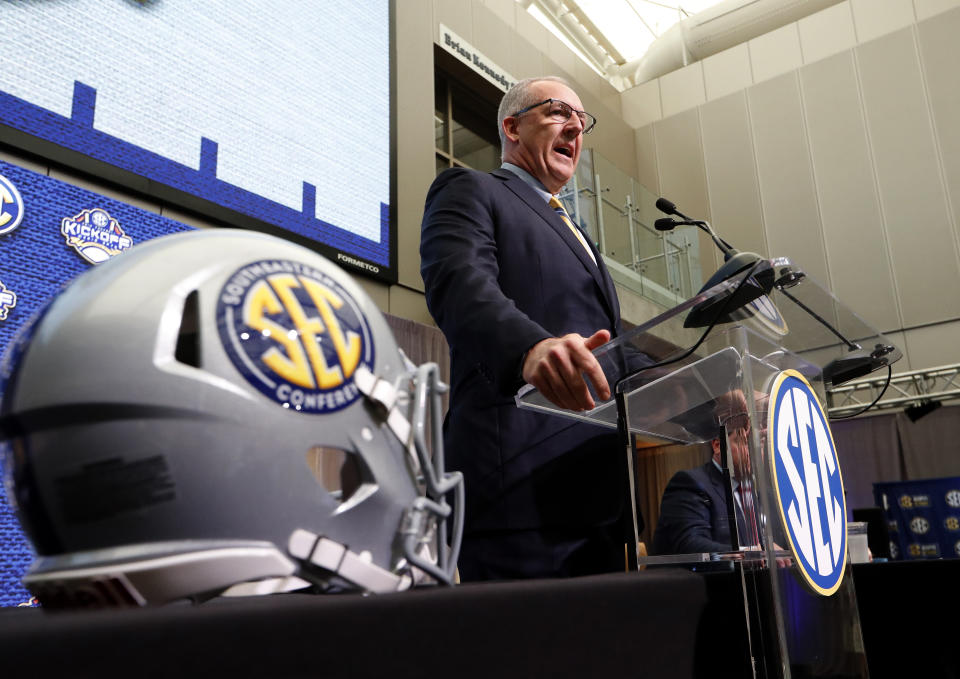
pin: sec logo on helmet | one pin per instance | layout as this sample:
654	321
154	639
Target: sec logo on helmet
808	483
295	334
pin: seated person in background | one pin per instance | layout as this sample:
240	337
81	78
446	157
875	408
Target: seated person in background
693	509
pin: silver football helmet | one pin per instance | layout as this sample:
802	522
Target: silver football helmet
223	412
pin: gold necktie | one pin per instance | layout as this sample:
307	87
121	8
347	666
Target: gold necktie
558	208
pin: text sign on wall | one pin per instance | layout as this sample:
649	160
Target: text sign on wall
469	55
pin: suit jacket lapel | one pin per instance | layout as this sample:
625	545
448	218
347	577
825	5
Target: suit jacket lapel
537	204
718	483
716	478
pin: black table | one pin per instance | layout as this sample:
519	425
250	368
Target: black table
658	623
669	623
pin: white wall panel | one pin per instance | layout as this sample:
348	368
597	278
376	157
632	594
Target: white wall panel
828	32
775	53
727	72
562	55
940	57
456	15
648	173
505	9
682	89
732	173
641	104
533	33
934	345
790	214
928	8
853	229
526	58
857	159
680	160
912	195
874	18
682	175
488	32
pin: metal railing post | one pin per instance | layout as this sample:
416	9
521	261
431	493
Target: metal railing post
633	237
601	233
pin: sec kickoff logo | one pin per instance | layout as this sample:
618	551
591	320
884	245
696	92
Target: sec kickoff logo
294	334
806	475
11	206
95	235
8	300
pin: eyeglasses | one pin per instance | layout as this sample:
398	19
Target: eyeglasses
561	111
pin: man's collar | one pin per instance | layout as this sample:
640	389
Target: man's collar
529	180
720	469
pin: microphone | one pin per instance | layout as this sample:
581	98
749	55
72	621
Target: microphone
667	224
707	312
856	363
666	207
734	260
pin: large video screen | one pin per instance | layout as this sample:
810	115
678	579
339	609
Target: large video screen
273	114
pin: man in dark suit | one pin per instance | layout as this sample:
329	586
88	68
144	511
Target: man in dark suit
693	509
521	295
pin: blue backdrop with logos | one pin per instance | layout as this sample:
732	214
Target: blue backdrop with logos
61	228
923	517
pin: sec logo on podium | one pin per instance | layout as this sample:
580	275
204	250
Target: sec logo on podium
807	481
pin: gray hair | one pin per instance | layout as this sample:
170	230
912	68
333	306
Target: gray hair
517	98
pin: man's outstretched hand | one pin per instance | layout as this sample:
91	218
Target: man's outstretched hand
557	367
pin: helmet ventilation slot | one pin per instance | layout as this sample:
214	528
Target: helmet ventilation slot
340	472
188	338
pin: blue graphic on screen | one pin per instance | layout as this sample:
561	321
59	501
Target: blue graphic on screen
808	482
278	112
36	261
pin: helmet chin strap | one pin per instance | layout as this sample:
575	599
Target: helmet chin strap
385	394
352	567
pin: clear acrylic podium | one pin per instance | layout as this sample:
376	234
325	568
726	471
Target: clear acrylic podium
702	371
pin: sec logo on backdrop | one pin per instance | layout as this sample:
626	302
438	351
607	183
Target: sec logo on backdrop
808	483
11	206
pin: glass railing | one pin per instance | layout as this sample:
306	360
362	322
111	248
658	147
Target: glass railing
618	215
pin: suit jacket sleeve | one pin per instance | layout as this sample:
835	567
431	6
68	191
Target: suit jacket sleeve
460	268
686	519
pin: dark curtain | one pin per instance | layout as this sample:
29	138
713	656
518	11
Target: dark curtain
869	450
892	447
930	445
